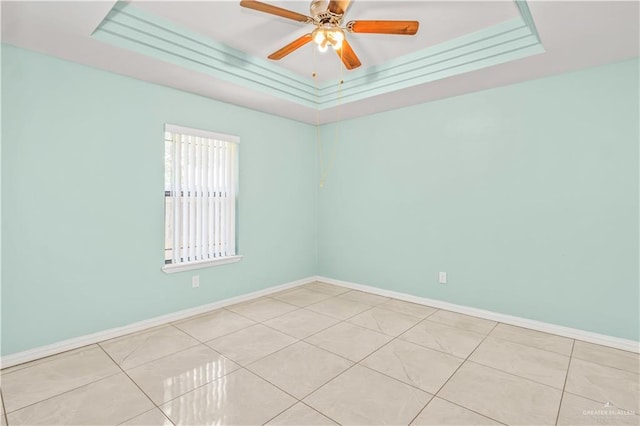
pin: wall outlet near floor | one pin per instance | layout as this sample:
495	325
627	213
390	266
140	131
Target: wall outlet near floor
442	277
195	281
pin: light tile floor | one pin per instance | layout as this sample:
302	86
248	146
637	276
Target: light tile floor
321	355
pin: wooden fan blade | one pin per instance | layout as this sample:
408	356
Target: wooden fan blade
348	56
384	27
339	7
296	44
274	10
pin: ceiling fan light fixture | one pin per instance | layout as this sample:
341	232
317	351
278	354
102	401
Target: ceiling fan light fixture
327	16
322	47
318	35
324	36
337	37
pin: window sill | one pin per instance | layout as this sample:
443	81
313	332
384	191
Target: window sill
180	267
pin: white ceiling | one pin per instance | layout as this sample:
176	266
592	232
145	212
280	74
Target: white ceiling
260	34
575	35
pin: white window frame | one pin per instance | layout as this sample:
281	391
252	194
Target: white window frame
206	222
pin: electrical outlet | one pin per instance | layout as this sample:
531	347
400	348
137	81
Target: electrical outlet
442	277
195	281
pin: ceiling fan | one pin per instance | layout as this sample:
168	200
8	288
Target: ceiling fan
327	17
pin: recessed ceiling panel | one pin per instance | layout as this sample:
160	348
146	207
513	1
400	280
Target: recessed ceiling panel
259	34
461	47
130	27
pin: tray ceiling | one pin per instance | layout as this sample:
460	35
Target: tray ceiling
218	49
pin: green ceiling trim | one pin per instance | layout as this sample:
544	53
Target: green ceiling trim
525	13
498	44
130	28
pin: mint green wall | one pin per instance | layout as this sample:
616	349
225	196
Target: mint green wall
82	197
527	196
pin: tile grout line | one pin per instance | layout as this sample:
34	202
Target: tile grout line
635	413
369	307
319	412
393	338
317	347
636	353
159	358
259	321
168	355
434	349
281	412
489	366
246	367
200	343
395	378
277	296
301	339
465	328
240	367
422	320
346	320
148	411
222	335
192	390
265	356
300	400
514	375
217	378
65	392
4	409
358	363
607	366
243	367
43	360
355	325
566	376
323	385
135	383
253	301
517	375
469	409
532	381
296	399
298	340
454	373
531	346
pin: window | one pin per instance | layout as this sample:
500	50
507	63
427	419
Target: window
200	187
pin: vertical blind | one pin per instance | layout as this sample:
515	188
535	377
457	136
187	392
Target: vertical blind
200	195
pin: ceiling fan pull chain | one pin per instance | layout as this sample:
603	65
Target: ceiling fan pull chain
318	139
338	118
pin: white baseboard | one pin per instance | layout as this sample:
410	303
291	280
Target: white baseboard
89	339
573	333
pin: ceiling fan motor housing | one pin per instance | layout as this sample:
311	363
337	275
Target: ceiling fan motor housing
321	15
